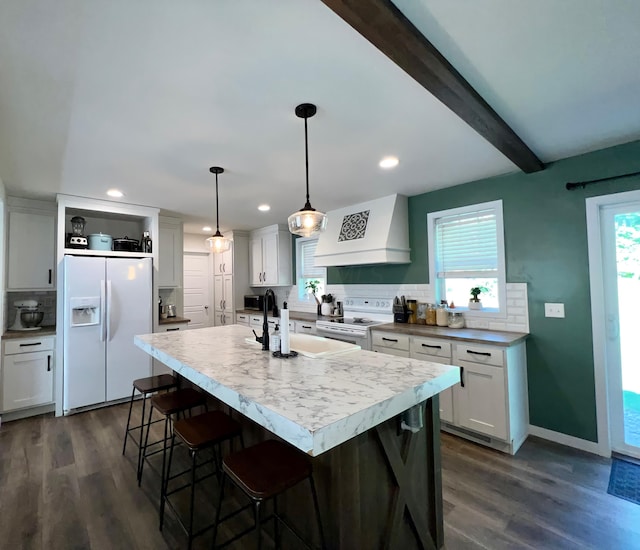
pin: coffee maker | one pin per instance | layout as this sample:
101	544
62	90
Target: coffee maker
77	239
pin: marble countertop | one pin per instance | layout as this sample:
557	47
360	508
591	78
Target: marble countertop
44	331
314	404
478	336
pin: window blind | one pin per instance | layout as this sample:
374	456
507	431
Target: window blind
467	245
307	261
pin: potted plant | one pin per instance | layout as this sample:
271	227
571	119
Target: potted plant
474	302
312	287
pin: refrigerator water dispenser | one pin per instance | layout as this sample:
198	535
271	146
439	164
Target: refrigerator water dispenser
85	311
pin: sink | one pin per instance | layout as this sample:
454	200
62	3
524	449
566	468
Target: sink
316	346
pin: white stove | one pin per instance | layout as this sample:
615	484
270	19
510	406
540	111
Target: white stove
360	314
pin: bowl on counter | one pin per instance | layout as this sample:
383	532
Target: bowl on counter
31	318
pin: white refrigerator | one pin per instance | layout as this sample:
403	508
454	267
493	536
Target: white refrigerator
107	302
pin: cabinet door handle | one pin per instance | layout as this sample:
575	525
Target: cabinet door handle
485	353
306	326
50	274
428	346
224	304
264	277
462	377
389	339
48	363
32	344
172	329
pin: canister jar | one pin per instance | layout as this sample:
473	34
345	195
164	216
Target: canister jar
456	319
430	317
412	311
442	316
422	313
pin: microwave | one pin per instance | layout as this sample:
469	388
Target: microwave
256	301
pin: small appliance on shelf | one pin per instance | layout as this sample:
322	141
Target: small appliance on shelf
77	238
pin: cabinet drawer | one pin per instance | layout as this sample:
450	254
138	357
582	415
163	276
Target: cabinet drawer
28	345
391	340
484	355
242	319
173	327
432	358
431	346
255	320
304	327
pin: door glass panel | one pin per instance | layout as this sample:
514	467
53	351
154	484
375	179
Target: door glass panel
627	228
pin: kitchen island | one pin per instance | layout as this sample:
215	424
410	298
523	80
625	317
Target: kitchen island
379	486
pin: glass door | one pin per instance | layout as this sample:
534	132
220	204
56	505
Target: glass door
621	266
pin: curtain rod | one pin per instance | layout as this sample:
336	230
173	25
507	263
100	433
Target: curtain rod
573	185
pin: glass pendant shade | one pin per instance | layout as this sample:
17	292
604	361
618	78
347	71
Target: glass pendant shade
307	221
217	243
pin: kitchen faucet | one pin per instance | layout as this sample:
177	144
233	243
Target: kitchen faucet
265	324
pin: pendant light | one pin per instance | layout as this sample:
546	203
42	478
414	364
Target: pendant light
307	221
217	242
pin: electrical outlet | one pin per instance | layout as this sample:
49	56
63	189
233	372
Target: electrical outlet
554	310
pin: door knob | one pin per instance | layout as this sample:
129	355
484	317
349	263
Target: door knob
206	307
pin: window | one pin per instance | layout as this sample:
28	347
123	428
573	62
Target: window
466	250
306	269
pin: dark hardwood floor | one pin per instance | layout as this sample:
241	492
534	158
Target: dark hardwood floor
65	485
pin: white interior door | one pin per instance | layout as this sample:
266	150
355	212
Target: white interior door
197	290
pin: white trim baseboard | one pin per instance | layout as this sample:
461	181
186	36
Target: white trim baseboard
570	441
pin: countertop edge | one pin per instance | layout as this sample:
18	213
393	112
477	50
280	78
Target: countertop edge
173	320
477	336
16	334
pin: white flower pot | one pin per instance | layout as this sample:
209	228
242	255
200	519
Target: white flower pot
326	308
475	305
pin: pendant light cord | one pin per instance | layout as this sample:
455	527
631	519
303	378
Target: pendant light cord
307	205
217	213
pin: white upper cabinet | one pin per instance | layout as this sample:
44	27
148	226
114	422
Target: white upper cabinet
170	247
223	262
271	256
31	251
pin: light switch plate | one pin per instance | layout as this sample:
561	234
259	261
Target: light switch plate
554	310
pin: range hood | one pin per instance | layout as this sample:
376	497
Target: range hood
372	232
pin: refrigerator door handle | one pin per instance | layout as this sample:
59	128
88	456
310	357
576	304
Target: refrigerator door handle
108	316
104	310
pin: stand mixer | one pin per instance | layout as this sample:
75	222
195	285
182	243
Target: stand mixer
21	306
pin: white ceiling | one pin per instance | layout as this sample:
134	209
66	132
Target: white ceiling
146	95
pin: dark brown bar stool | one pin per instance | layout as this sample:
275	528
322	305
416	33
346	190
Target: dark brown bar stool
262	472
168	404
204	431
145	386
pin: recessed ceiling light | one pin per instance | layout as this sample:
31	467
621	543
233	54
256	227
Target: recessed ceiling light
207	228
115	193
389	162
264	208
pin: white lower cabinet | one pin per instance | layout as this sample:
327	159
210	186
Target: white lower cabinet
223	293
27	373
490	405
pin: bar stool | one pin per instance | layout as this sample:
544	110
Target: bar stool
168	404
204	431
145	386
262	472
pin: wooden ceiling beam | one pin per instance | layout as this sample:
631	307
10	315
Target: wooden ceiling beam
384	25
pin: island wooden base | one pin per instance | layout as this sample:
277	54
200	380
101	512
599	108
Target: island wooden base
381	489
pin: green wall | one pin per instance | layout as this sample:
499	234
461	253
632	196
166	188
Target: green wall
546	247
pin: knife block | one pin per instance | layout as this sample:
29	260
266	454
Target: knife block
400	316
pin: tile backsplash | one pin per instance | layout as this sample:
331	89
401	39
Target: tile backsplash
516	320
46	302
